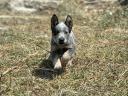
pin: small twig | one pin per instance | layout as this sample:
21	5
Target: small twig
121	75
8	70
4	91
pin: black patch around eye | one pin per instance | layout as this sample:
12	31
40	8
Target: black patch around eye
55	32
66	32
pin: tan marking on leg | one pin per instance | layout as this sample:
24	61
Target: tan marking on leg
57	64
70	62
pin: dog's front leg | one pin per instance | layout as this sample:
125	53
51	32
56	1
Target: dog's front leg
56	62
58	65
67	57
54	58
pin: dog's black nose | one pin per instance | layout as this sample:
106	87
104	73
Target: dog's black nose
61	41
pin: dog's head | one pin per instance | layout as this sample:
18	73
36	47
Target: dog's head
61	31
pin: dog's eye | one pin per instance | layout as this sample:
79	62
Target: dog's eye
66	32
56	32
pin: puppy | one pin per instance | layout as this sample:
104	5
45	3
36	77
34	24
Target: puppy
62	43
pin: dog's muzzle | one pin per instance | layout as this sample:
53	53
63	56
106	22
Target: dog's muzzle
61	41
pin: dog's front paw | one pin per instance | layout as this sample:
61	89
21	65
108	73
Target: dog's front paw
66	56
58	71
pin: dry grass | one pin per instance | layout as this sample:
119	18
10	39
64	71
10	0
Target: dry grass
100	66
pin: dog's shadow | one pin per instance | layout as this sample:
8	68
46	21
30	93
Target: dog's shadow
46	70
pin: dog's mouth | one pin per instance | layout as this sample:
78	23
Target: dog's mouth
61	51
62	45
61	41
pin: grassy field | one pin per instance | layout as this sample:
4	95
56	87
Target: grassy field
100	67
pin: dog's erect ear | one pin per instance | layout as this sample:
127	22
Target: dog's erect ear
69	22
54	21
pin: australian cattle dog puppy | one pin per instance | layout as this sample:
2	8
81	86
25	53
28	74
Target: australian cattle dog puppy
62	43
